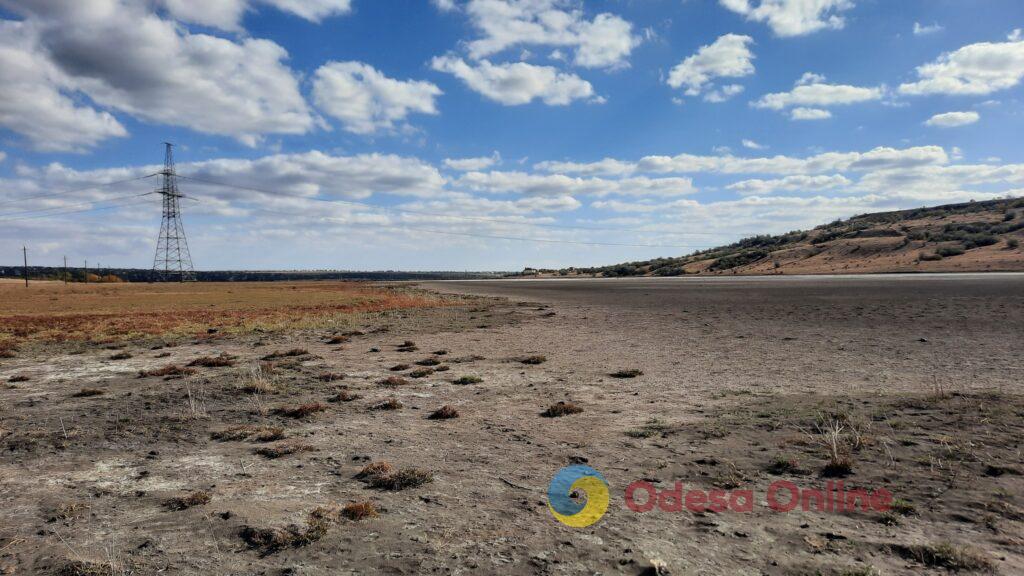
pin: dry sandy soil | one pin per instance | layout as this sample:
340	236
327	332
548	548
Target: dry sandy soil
108	471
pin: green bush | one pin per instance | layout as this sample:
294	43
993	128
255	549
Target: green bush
947	251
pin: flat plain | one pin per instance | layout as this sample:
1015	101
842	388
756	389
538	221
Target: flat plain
301	428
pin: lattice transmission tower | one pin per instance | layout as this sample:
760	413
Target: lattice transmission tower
172	261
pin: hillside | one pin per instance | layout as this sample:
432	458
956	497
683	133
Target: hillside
971	237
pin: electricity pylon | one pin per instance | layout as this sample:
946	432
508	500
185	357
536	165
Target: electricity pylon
172	261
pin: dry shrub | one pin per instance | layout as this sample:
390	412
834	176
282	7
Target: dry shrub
389	404
441	368
169	371
444	413
948	556
344	396
357	511
68	511
271	540
87	393
561	409
399	367
197	498
393	382
466	380
407	346
331	377
299	410
249	432
283	449
630	373
384	476
533	360
259	380
338	339
85	568
18	378
428	362
214	361
121	356
294	352
421	373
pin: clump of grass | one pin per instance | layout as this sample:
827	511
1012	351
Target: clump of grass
259	380
559	409
87	393
18	378
357	511
441	368
445	412
271	540
839	436
407	346
331	377
781	465
383	476
630	373
85	568
169	371
466	380
440	352
300	410
121	356
399	367
8	350
338	339
903	507
214	361
343	396
374	469
389	404
249	432
533	360
294	352
197	498
948	556
282	449
421	373
393	382
650	428
68	511
428	362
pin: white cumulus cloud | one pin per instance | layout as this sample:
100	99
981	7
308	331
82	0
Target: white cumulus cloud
367	101
727	57
953	119
793	17
517	83
975	69
812	94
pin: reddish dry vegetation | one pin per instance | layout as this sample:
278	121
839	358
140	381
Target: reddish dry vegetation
561	409
300	410
52	311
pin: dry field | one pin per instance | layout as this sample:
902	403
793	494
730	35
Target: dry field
368	430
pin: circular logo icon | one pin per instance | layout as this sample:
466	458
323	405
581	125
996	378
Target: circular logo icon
573	480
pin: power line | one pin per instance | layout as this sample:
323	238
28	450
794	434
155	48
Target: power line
95	209
52	208
76	190
440	214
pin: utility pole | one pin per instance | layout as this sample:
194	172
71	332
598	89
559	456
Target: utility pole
86	271
24	254
172	260
65	270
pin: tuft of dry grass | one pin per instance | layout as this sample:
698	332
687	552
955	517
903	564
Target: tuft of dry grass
18	378
271	540
629	373
282	449
249	432
169	371
357	511
67	511
407	346
384	476
428	362
299	410
87	393
650	428
259	380
421	373
559	409
445	412
121	356
466	380
197	498
389	404
533	360
948	556
344	396
393	382
214	361
399	367
293	353
85	568
331	377
338	339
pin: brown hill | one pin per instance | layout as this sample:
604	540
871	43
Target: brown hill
971	237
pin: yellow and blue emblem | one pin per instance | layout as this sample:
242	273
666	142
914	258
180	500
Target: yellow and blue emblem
576	479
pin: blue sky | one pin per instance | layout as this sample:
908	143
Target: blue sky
365	134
